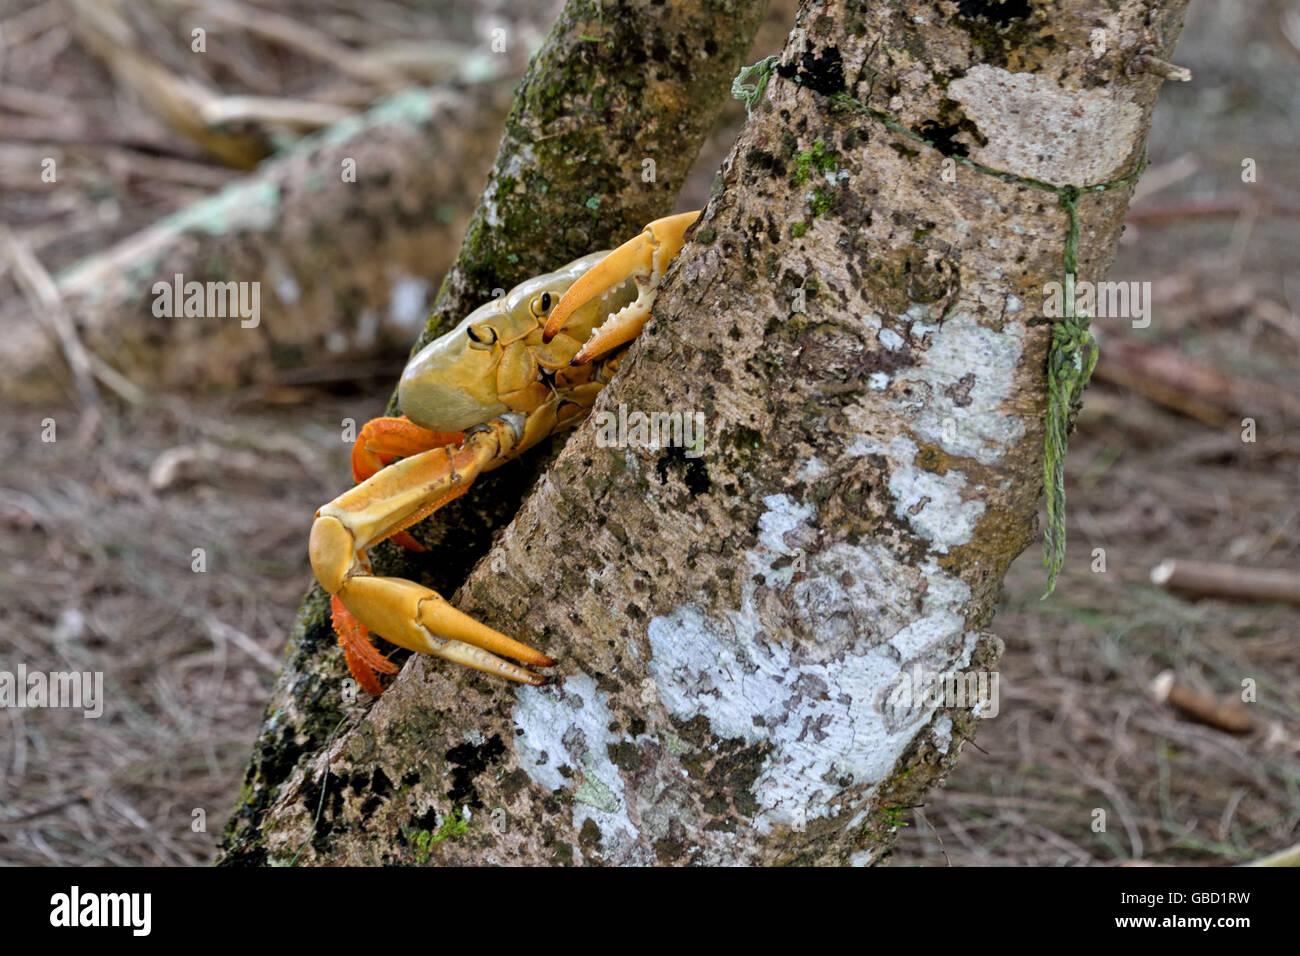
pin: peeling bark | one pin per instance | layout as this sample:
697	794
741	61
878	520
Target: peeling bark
863	337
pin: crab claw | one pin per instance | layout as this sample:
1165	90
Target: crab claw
645	259
412	616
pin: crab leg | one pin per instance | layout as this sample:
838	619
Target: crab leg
383	439
403	612
387	438
645	259
364	660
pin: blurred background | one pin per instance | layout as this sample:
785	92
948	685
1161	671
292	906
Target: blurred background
119	123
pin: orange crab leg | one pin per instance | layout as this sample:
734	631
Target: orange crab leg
383	439
364	661
401	611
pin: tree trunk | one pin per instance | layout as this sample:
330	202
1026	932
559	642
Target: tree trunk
858	320
614	84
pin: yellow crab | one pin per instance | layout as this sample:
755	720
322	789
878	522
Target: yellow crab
516	370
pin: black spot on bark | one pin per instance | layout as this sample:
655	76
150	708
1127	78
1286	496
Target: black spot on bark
279	757
428	820
244	857
942	137
694	474
468	761
381	788
332	807
823	73
1000	12
762	159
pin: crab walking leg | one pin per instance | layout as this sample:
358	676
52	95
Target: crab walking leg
393	438
645	259
401	611
382	439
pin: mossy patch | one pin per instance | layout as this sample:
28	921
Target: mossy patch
818	159
422	841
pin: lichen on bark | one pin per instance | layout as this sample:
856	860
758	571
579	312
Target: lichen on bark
731	629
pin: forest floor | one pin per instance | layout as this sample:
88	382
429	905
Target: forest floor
99	569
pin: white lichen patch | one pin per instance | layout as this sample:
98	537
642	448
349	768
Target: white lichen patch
932	504
818	716
568	726
958	393
813	704
919	639
890	339
921	322
1036	128
783	515
811	470
942	731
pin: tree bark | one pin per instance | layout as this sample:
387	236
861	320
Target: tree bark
614	84
858	319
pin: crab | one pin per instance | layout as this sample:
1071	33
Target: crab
514	371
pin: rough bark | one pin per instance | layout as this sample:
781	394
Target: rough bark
614	84
729	628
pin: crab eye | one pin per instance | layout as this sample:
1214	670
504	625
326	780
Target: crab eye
542	304
484	337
